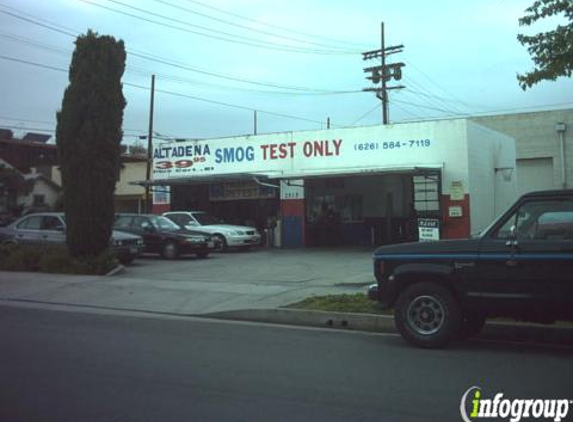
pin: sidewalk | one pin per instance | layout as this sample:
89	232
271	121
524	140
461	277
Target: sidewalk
240	286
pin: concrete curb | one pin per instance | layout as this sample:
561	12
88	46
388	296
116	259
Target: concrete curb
507	331
117	270
340	320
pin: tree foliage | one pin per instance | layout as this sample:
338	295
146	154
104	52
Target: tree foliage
12	180
551	51
88	136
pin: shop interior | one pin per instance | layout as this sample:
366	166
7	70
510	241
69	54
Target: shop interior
369	210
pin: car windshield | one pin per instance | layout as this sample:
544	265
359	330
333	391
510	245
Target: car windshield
206	219
163	223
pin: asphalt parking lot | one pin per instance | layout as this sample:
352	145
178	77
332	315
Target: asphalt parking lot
318	267
258	279
255	279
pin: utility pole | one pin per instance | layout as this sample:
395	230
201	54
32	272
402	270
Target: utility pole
148	199
384	73
255	122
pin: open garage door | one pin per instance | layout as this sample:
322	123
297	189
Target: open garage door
369	210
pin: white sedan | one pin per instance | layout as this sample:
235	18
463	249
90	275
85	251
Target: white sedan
229	235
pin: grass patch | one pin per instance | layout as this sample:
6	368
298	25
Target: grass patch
53	259
354	303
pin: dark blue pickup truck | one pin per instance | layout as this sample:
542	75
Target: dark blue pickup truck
520	267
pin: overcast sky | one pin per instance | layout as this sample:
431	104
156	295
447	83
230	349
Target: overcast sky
297	62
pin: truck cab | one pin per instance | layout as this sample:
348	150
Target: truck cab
519	267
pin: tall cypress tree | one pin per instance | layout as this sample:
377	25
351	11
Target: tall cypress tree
88	135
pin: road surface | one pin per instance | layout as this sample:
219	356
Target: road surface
74	366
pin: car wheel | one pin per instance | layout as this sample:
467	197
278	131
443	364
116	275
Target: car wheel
221	242
170	250
427	315
202	255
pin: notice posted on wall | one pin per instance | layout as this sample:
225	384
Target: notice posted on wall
428	229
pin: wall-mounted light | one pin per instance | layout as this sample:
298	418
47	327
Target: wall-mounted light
506	172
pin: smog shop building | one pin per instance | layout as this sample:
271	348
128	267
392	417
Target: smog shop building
355	186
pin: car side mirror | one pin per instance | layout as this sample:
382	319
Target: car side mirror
148	228
192	223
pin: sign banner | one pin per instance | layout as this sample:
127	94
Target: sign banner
301	153
240	190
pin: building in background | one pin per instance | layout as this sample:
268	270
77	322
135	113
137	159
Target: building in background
33	179
544	144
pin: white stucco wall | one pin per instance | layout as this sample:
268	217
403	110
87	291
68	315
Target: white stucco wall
130	172
490	192
50	194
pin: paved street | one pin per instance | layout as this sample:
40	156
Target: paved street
259	279
69	366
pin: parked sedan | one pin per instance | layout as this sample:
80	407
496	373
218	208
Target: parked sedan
50	227
228	235
164	237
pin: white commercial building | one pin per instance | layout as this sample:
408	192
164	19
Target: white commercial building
367	185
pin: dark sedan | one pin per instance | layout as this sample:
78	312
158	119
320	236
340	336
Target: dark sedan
164	237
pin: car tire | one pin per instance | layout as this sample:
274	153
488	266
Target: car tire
222	242
427	315
202	255
170	250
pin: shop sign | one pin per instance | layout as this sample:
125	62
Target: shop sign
293	153
161	195
292	189
240	190
428	229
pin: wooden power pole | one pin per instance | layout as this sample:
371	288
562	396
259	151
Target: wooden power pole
381	75
148	198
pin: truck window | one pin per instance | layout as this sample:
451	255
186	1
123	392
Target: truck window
540	220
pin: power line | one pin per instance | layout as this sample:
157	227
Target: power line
433	99
158	59
186	81
415	116
282	28
428	107
27	128
192	97
172	78
178	94
41	65
366	114
222	37
438	85
36	22
26	120
226	22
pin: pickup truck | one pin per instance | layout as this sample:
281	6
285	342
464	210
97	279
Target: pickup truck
520	267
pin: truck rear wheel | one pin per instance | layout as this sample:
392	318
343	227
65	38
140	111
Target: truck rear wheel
427	315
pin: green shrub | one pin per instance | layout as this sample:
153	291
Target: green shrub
53	259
